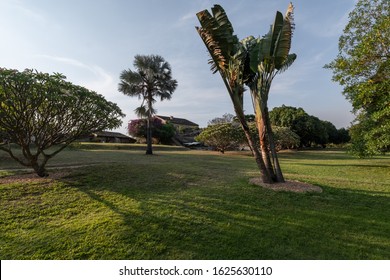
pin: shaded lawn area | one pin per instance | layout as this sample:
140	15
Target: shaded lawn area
197	205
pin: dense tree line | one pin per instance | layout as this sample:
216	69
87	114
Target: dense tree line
311	130
291	127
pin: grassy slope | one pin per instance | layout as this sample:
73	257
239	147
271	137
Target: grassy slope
198	205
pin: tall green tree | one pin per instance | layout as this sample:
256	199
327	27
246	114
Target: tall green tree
228	59
310	129
252	62
267	57
362	67
41	114
151	80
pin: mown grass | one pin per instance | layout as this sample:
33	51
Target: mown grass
183	204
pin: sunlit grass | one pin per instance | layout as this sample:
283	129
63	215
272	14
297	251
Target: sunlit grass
184	204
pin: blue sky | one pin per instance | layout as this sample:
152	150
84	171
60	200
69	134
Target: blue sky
92	41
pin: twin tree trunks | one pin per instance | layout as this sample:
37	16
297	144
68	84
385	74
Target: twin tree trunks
251	62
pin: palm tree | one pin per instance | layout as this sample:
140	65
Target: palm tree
252	62
228	58
151	80
268	56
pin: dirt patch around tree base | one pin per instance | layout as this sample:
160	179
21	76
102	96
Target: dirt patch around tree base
288	186
33	177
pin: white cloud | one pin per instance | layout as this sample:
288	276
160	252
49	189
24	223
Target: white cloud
100	79
17	6
189	16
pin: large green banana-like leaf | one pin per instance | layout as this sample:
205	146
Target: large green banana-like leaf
283	44
222	20
276	29
287	63
272	50
260	53
216	32
218	60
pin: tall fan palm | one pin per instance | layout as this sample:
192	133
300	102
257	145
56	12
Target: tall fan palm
152	79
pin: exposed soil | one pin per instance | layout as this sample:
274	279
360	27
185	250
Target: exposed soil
33	177
289	186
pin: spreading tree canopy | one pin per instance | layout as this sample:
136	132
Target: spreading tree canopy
40	114
222	136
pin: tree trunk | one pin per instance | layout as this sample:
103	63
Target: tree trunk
262	131
149	148
275	160
266	177
236	95
39	168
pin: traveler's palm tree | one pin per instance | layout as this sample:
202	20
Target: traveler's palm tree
228	58
151	80
268	56
252	62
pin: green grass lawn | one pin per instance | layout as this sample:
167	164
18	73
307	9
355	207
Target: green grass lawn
180	204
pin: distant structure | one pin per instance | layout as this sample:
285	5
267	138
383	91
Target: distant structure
181	125
108	137
186	130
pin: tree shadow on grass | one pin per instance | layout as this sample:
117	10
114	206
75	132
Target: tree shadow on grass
233	220
344	165
154	211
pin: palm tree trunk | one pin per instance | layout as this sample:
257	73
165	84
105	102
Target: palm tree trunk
149	148
266	177
264	145
275	160
236	95
262	130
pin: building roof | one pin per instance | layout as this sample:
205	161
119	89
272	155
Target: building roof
177	121
111	134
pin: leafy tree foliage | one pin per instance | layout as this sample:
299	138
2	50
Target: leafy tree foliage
285	138
137	128
160	131
310	129
222	136
229	136
342	136
226	118
362	67
39	111
286	116
151	80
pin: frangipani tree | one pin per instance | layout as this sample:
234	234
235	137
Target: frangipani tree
41	114
252	62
